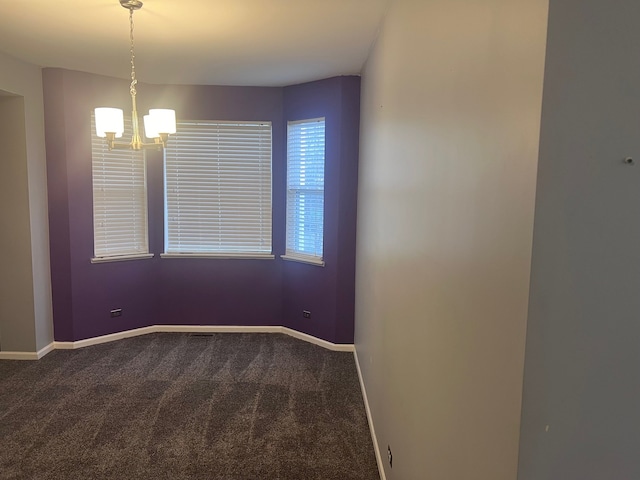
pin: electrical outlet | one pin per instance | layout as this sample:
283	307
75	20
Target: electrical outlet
390	456
306	313
116	312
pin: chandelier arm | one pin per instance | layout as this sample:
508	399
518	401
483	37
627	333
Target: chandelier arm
158	144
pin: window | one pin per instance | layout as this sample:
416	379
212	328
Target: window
119	201
305	190
218	189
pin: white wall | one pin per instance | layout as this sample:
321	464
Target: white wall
451	108
581	408
25	291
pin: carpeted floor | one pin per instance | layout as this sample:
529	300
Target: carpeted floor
179	406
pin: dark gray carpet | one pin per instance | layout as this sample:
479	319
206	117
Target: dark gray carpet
179	406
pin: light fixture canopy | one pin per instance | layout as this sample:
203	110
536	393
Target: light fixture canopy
159	124
131	4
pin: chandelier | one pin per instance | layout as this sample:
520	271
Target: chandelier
158	125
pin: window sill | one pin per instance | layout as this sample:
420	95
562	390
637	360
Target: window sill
238	256
310	260
122	258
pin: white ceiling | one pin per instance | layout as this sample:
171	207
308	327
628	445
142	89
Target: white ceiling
213	42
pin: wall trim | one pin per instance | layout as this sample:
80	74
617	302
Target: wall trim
336	347
27	355
18	355
376	447
112	337
217	329
43	351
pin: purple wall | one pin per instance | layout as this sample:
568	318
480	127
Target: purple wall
328	292
58	199
219	291
197	291
347	210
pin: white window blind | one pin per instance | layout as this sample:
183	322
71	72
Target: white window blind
119	199
218	189
305	190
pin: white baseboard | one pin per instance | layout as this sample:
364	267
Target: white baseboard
18	355
376	447
338	347
43	351
217	329
27	355
112	337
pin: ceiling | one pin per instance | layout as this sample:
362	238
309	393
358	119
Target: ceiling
209	42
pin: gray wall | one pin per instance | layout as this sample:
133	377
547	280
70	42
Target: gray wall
17	317
582	376
451	106
25	285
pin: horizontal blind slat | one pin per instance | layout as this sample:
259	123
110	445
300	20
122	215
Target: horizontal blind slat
119	198
218	188
305	187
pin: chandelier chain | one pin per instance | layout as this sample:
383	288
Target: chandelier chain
134	81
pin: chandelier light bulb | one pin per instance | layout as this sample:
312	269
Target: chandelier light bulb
164	119
109	120
150	127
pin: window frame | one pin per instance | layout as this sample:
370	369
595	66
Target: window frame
140	226
291	254
266	219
